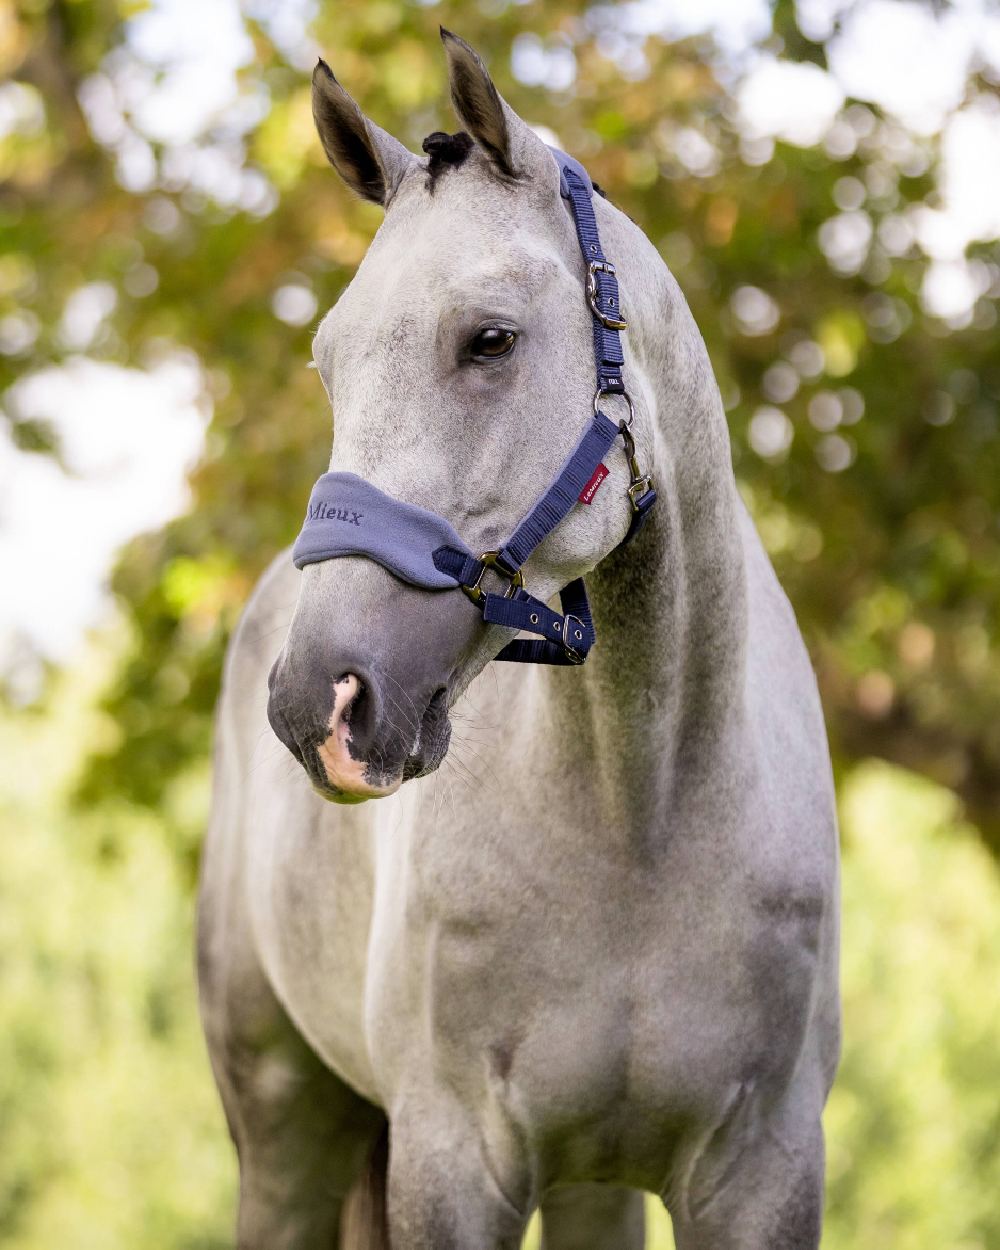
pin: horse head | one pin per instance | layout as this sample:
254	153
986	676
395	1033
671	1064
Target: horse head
459	364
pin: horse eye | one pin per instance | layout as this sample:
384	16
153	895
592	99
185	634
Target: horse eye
492	342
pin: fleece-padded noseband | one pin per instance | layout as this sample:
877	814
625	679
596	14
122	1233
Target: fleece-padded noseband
348	516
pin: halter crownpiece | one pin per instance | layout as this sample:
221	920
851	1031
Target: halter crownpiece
348	516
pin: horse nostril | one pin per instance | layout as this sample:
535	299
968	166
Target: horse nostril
354	712
350	734
352	696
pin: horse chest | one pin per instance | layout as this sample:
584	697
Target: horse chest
598	1026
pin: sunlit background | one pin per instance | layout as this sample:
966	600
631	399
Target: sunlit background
824	180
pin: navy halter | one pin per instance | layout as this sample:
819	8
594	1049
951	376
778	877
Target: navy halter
349	516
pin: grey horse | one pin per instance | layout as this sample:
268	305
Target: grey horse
596	955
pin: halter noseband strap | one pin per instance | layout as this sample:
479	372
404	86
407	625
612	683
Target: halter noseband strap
349	516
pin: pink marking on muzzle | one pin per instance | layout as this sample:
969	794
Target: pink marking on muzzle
343	771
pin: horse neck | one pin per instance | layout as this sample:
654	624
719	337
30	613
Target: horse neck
664	685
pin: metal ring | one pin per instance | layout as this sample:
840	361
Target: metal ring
627	398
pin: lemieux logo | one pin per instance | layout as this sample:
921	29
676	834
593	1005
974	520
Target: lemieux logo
594	485
326	512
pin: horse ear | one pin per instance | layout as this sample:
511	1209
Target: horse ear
369	160
509	142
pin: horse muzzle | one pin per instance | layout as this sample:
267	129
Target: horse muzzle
359	692
375	734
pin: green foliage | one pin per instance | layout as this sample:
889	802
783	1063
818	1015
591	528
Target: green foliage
111	1135
914	1119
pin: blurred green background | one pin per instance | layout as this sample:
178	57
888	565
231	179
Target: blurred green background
823	179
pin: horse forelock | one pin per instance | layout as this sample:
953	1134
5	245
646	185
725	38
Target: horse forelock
445	152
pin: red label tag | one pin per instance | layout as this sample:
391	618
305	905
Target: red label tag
592	487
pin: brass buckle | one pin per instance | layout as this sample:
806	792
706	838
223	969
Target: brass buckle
637	488
490	560
593	269
639	484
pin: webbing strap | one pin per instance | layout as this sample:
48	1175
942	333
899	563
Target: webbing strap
456	562
640	513
608	353
560	497
566	637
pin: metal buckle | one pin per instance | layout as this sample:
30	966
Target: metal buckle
593	269
573	626
490	560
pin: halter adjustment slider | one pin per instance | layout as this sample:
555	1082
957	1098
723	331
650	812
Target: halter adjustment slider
491	560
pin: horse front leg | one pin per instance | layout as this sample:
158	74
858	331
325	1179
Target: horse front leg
445	1192
303	1137
755	1189
593	1217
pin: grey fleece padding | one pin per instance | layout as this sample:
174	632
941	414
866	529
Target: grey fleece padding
347	516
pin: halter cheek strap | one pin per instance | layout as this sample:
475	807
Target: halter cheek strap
349	516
